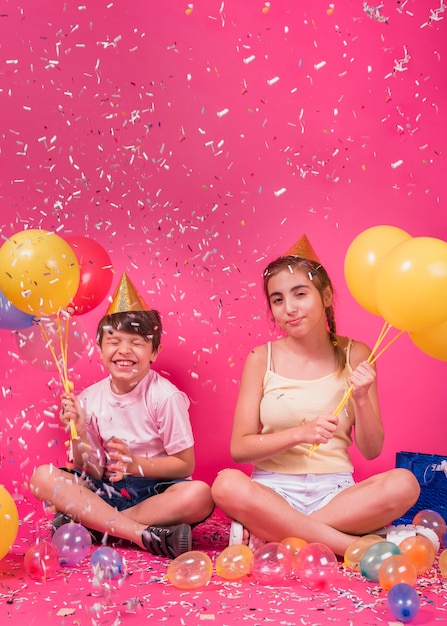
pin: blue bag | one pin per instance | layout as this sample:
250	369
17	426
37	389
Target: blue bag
431	472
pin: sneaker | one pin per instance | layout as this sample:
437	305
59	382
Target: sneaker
237	537
168	541
60	519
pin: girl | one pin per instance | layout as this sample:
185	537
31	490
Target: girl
287	396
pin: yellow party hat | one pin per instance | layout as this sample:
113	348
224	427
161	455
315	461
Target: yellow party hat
126	298
303	249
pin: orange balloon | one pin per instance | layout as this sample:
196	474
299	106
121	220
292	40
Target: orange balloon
397	569
411	284
294	544
442	563
420	551
363	259
190	570
432	341
356	550
234	562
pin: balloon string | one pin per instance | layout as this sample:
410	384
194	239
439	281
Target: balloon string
371	359
63	372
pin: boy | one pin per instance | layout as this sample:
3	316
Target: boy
134	451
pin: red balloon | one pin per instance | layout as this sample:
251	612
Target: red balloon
96	274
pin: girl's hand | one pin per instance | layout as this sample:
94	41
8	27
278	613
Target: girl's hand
122	456
362	378
320	429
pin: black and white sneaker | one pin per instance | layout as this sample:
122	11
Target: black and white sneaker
170	541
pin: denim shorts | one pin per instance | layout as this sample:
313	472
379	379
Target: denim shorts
304	492
127	492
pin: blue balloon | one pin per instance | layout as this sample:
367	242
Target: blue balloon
403	602
107	564
12	318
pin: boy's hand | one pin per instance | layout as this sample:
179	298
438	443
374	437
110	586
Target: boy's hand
122	456
72	410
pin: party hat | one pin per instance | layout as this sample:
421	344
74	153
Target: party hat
303	248
126	298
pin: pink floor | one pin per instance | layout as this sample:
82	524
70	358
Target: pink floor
146	595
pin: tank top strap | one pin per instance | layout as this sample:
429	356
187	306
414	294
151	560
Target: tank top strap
269	357
348	351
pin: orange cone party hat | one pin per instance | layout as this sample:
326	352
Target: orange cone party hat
126	298
303	249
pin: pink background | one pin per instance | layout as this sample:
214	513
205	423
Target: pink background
195	143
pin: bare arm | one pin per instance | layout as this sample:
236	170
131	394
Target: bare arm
180	465
247	444
369	433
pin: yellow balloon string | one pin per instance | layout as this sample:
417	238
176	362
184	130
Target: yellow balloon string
62	370
371	359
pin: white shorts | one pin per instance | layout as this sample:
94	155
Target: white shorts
305	492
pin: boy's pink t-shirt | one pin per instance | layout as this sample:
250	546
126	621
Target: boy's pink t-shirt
152	419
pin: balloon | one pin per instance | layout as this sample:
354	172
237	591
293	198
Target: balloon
432	341
420	551
442	563
374	556
96	274
316	566
397	569
9	522
107	565
403	602
73	542
363	258
272	563
431	519
294	544
39	272
34	343
42	561
190	570
234	562
411	284
356	550
12	318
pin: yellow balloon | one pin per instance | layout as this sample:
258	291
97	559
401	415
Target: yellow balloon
9	521
432	341
411	284
234	562
363	258
39	272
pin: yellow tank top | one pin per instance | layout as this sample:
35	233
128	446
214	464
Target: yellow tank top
288	402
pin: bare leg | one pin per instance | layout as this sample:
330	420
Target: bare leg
186	502
357	510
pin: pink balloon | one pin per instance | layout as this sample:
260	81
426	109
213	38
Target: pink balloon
316	566
42	561
96	274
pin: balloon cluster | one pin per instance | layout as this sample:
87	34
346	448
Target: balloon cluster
402	279
397	567
314	564
41	274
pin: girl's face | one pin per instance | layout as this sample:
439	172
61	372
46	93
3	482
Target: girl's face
127	357
295	302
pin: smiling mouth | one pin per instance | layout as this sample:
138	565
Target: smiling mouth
124	363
